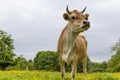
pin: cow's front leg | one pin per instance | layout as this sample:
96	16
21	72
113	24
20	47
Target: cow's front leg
74	68
62	69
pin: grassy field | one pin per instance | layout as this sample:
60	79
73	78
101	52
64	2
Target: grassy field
43	75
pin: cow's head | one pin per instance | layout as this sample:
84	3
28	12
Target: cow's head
77	20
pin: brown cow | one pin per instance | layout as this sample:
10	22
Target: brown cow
72	47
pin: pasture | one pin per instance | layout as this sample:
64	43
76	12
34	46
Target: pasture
43	75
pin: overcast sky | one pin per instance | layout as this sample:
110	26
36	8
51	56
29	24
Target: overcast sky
35	25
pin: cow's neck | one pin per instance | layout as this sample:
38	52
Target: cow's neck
71	36
69	39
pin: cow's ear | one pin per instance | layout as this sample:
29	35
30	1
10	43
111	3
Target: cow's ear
65	16
86	16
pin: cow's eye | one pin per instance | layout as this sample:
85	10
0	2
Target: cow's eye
73	17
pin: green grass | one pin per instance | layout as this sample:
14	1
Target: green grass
43	75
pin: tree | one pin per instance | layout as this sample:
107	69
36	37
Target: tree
21	63
99	67
6	50
46	60
30	65
114	63
116	46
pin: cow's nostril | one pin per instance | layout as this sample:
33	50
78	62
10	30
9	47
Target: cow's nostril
84	22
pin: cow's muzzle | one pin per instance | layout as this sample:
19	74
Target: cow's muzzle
86	25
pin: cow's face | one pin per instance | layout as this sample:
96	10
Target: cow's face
77	20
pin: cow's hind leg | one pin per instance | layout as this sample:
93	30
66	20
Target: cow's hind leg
85	69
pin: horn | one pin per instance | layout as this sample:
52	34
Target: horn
83	10
67	10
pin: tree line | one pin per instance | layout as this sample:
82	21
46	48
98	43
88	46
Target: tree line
48	60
